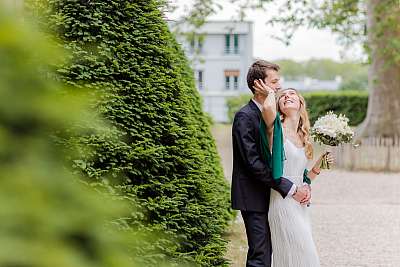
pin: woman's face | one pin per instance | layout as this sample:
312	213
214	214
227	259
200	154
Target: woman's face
289	101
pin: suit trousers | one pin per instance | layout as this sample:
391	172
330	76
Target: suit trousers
258	239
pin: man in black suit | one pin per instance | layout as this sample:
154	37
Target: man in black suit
251	178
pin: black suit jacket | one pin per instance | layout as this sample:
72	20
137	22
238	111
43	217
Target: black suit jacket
251	178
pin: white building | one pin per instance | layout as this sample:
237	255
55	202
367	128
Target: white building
309	84
221	53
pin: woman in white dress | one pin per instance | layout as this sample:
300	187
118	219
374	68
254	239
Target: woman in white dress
291	235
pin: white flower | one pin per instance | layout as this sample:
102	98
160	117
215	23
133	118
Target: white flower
332	129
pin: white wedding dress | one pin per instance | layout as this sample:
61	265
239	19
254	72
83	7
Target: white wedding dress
292	242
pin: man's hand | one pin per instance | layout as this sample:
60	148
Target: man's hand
303	194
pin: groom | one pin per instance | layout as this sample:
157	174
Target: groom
251	178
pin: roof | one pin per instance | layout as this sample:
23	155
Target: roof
215	27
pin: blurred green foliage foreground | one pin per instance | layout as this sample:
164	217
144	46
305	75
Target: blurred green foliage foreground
114	165
49	217
158	148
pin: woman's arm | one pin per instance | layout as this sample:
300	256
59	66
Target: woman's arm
269	108
315	170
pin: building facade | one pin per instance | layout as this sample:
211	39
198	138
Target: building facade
221	53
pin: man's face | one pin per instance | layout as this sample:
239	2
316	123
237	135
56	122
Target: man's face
272	80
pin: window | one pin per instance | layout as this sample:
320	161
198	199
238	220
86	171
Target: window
236	43
199	76
192	45
200	42
231	76
229	46
200	84
227	43
227	82
196	44
235	83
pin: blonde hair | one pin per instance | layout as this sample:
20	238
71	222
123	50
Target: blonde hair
304	124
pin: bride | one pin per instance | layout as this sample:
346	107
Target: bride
292	241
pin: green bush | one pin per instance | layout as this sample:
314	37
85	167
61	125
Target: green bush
235	103
166	157
49	217
351	103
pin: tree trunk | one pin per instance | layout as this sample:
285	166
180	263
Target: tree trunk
383	115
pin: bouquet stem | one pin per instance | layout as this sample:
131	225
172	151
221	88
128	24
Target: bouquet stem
324	162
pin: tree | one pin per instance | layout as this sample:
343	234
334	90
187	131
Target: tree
49	217
159	148
375	23
384	75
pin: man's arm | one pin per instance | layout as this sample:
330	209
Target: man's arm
301	194
243	133
285	187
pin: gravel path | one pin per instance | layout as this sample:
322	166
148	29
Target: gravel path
356	216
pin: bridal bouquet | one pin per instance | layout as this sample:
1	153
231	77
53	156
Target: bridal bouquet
331	130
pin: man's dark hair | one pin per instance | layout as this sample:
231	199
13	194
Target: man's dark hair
258	70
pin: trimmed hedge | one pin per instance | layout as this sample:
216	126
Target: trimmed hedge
351	103
167	157
48	216
236	103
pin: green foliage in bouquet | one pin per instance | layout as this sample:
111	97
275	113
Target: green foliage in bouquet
48	216
159	148
331	130
323	139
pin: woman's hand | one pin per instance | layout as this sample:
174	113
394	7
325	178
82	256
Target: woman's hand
330	158
316	169
261	88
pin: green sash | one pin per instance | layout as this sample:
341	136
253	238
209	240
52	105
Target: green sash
275	160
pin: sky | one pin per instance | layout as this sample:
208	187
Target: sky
306	43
